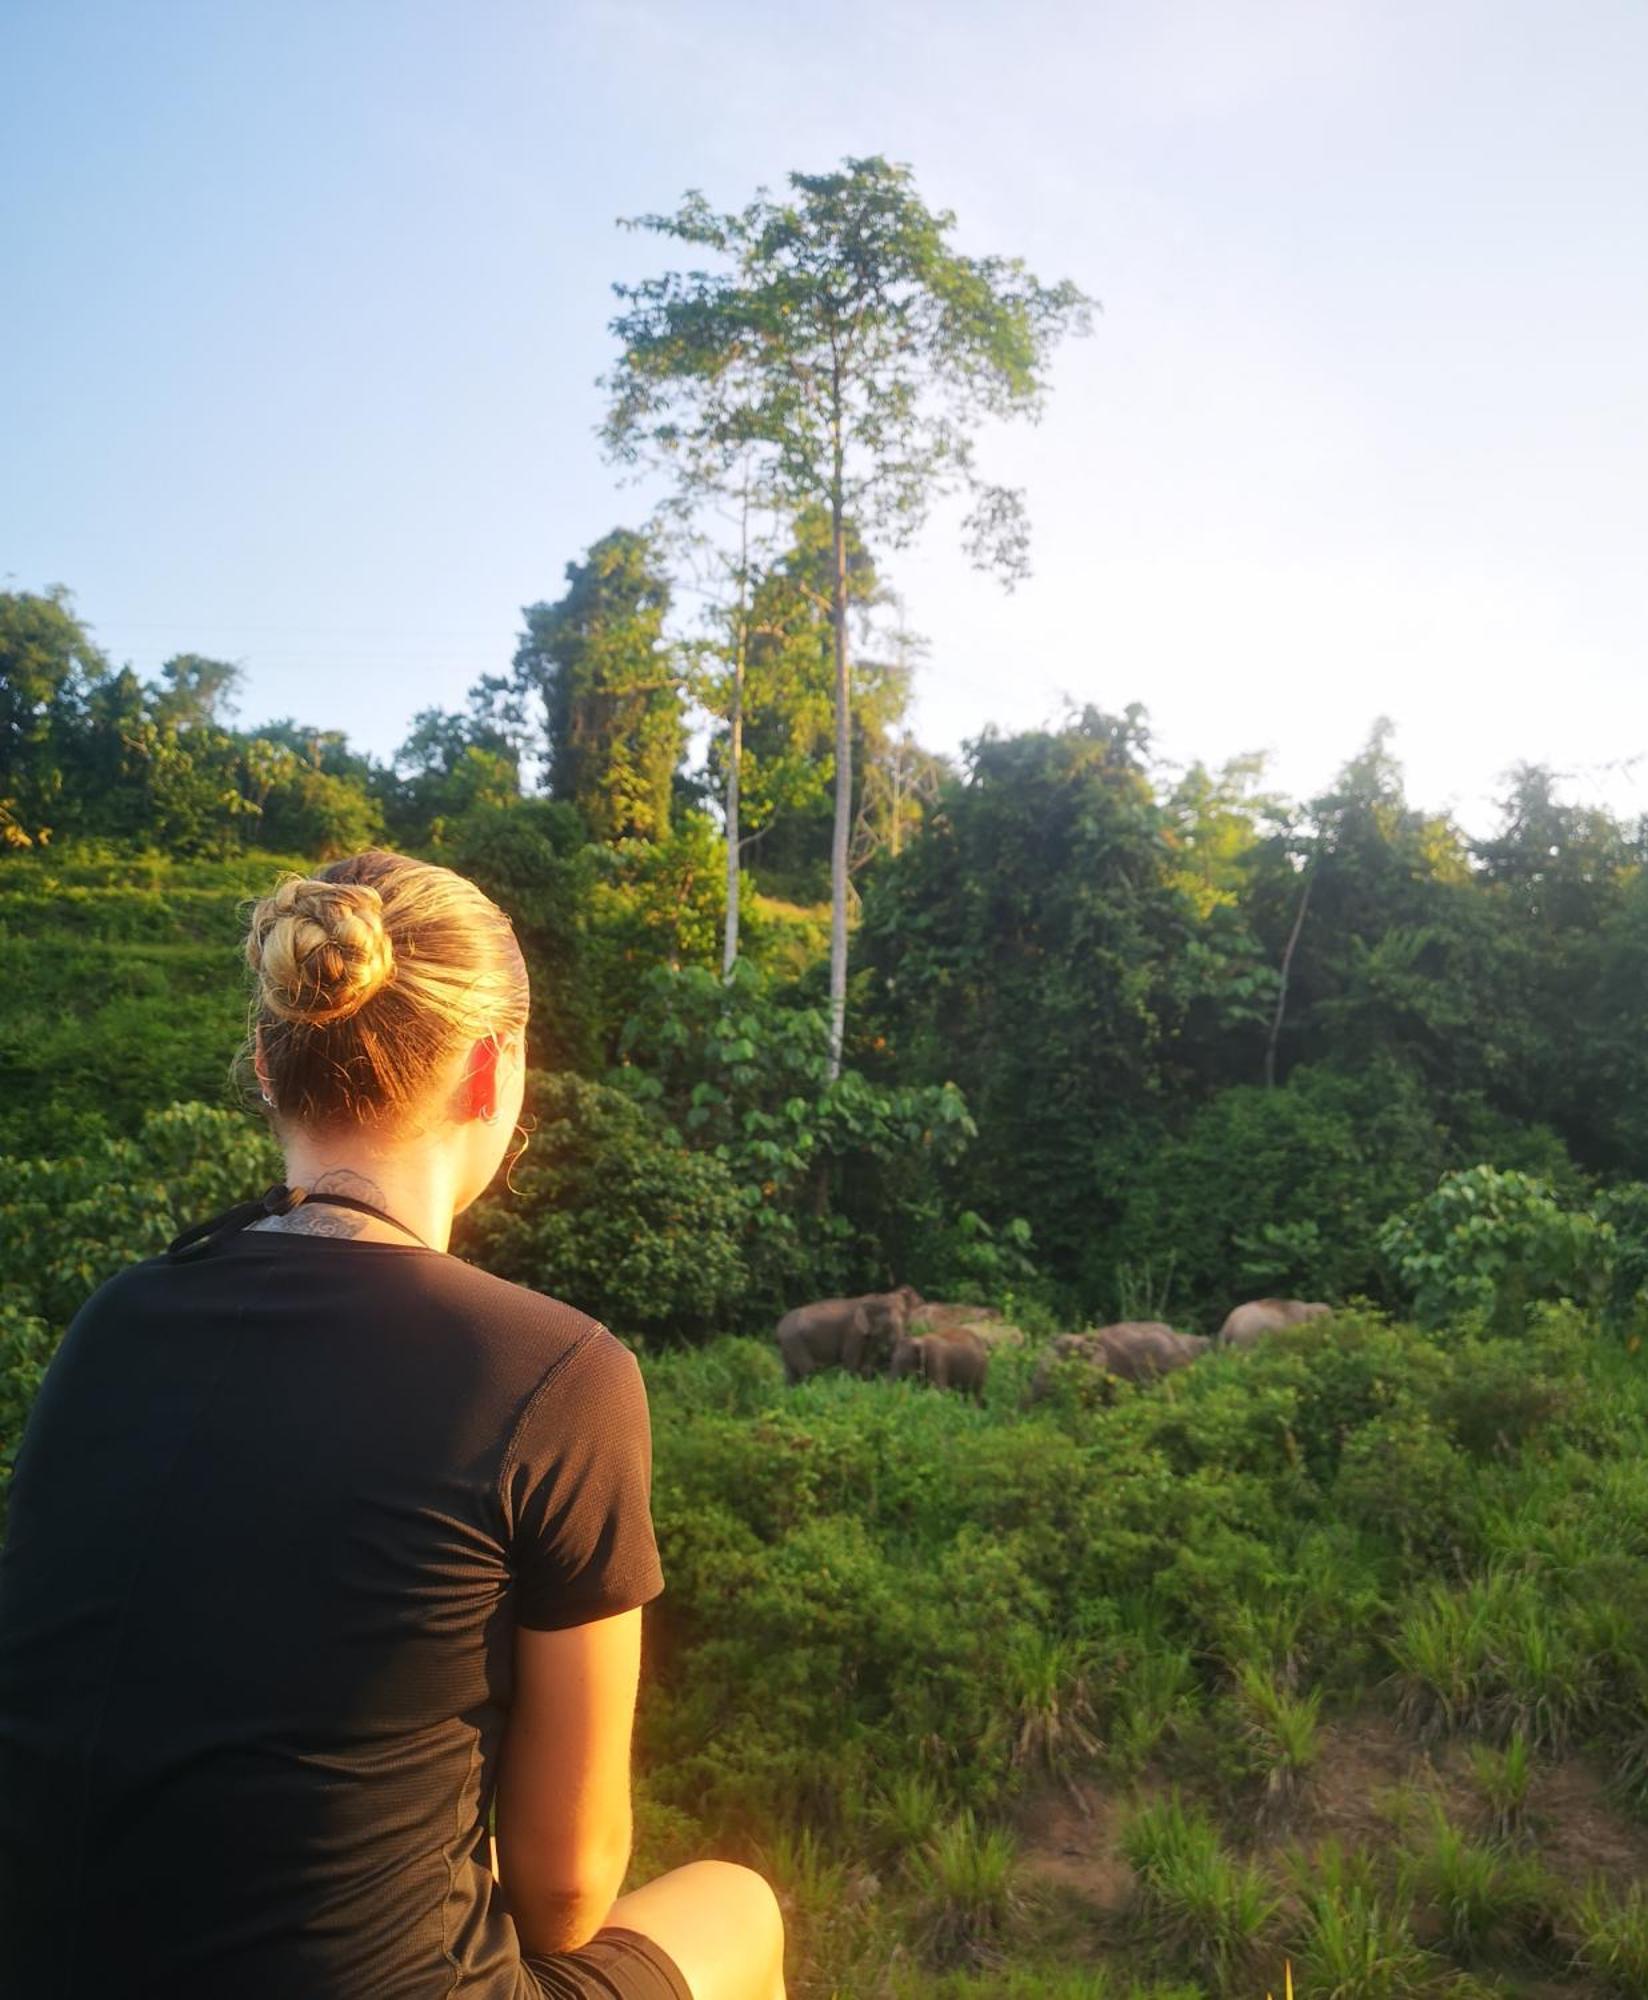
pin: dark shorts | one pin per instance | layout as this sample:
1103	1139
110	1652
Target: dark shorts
614	1965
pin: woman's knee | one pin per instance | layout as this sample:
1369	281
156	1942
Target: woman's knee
756	1902
720	1922
746	1903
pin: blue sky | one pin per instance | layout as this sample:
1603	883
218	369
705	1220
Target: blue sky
306	303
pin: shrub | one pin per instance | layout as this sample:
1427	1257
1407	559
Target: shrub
609	1212
1350	1928
1156	1699
904	1818
1493	1655
1048	1712
1400	1476
1624	1210
1487	1243
1235	1203
1354	1946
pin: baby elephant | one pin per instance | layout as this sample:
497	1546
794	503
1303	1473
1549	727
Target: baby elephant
1134	1350
1248	1324
955	1358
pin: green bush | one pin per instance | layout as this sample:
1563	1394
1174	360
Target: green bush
965	1880
839	1178
124	990
1487	1243
608	1211
1278	1191
1401	1475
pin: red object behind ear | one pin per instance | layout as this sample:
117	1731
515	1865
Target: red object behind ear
481	1079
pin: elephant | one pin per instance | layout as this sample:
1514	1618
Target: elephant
953	1359
855	1334
1247	1325
1133	1350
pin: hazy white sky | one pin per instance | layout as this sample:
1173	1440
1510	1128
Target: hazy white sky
305	303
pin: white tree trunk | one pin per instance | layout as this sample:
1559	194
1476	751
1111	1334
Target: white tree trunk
735	755
843	803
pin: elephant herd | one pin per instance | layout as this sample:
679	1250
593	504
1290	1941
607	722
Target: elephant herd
949	1346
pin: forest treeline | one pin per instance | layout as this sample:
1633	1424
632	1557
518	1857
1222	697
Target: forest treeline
1122	1038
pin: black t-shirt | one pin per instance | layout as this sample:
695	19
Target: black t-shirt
277	1513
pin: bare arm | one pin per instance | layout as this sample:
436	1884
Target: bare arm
563	1779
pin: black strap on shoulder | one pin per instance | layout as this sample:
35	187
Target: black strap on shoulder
278	1200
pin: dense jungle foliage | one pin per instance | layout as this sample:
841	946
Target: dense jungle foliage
1330	1654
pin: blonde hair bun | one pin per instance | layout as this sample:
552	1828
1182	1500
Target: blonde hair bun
320	950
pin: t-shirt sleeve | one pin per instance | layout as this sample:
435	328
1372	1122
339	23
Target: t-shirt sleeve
576	1487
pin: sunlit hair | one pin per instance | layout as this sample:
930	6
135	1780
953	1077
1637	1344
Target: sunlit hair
370	977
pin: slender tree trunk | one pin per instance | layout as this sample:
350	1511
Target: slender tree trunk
843	791
1287	967
735	755
729	949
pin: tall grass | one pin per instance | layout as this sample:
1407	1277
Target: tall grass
1209	1913
1049	1713
1495	1656
1348	1926
966	1882
1156	1698
1486	1902
904	1819
1612	1941
1281	1734
1505	1779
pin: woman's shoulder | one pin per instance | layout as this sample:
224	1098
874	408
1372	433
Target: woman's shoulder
466	1303
411	1298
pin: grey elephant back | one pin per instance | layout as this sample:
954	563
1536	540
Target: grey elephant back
1138	1350
1248	1324
1131	1350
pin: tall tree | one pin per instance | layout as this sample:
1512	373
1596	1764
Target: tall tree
48	664
195	692
847	356
454	763
599	662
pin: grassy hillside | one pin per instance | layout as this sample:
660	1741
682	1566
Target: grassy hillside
120	994
1332	1654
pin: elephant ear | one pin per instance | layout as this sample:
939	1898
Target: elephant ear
857	1336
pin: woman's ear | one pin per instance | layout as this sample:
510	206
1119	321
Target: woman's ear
479	1097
